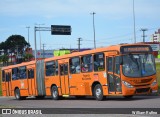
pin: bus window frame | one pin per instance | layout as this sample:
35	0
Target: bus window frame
112	58
75	66
28	70
98	70
86	69
119	62
54	68
3	76
20	68
17	74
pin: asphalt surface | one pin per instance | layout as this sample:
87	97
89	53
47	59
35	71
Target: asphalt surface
77	107
89	102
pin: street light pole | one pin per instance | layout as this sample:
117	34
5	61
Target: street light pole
134	23
94	30
35	43
40	33
143	30
28	33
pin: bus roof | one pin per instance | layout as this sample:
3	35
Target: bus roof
117	48
18	65
103	49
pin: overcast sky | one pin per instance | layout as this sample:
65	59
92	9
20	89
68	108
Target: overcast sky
113	21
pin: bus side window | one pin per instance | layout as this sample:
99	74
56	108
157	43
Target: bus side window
56	67
99	62
7	77
31	73
15	74
117	65
50	68
74	65
3	76
86	63
61	70
22	72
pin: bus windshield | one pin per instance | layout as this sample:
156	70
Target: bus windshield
138	65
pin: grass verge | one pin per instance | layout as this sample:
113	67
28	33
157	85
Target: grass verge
158	74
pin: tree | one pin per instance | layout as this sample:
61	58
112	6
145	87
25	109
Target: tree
14	44
3	47
4	58
28	57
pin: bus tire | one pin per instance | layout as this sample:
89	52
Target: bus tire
54	93
128	96
98	92
18	95
40	97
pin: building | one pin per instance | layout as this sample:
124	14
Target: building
40	54
156	37
43	54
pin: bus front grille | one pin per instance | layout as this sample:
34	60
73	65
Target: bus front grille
142	90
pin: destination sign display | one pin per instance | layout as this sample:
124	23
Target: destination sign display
129	49
60	30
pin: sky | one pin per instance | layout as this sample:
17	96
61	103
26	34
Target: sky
113	21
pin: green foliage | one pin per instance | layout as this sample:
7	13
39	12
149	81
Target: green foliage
4	59
14	44
28	57
158	73
0	83
0	90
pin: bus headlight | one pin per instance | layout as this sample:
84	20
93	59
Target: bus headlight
154	83
127	84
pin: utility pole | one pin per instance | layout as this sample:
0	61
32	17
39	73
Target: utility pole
94	30
144	29
28	33
43	50
79	43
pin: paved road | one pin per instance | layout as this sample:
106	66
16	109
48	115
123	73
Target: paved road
143	102
89	102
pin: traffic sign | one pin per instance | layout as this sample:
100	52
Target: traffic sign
60	30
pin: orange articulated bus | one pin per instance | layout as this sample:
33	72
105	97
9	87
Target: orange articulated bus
119	70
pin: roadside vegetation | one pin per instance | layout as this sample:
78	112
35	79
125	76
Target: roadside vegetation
158	74
0	84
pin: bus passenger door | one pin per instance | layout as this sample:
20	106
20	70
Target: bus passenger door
8	84
31	82
64	78
113	75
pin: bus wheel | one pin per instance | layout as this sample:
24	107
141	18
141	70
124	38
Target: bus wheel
98	92
54	93
40	97
128	97
18	95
